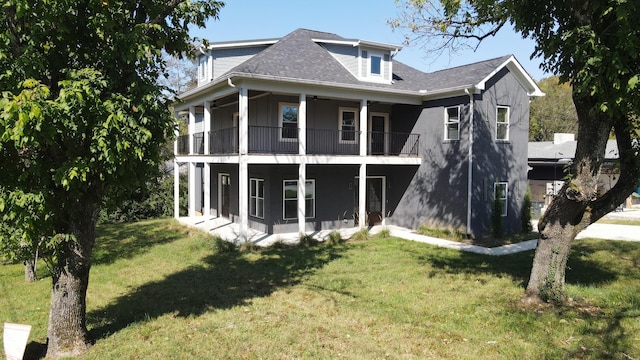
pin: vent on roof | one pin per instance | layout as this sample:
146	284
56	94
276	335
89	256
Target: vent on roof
560	138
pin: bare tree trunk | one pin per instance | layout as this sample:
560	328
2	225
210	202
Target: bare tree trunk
67	334
30	271
565	217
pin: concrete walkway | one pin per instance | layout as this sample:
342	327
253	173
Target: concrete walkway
230	231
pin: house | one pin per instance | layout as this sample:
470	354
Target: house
549	163
284	133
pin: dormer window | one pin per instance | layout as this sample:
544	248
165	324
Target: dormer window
375	65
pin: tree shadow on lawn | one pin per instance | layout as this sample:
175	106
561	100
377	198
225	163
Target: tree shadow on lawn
222	281
609	331
122	241
581	267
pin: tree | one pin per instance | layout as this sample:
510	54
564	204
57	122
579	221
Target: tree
593	45
181	73
83	119
552	113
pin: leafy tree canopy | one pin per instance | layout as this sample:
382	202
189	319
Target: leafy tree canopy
552	113
82	119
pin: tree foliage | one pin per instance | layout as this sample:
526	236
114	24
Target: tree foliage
595	47
552	113
83	119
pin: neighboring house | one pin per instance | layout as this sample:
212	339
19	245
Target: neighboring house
284	132
550	161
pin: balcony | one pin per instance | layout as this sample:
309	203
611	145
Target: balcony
283	140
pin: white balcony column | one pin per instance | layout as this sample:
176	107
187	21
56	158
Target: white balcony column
243	171
176	189
362	196
207	125
362	179
363	127
192	189
207	167
302	125
192	126
176	173
302	167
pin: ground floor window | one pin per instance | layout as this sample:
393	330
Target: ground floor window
256	198
500	194
290	199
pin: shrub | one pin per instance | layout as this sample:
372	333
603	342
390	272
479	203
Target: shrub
497	225
525	214
307	240
222	246
384	233
334	238
154	201
362	235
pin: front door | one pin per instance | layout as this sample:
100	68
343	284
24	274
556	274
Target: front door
224	189
375	200
378	137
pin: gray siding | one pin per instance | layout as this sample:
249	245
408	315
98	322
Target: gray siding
500	160
346	55
436	195
226	59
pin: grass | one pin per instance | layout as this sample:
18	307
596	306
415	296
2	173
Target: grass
459	236
162	291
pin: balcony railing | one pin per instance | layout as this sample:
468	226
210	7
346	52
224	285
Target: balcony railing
198	143
224	141
392	144
279	140
183	144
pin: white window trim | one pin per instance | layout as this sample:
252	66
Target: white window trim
356	120
280	123
505	196
256	197
284	200
370	65
203	67
507	123
447	122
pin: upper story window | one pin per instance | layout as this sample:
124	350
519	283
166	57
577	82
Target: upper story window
375	65
502	123
288	121
348	124
452	123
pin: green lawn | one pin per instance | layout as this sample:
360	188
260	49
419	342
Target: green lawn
158	290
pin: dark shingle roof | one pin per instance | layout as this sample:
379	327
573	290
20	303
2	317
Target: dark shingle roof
298	57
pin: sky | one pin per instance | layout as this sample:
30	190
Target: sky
353	19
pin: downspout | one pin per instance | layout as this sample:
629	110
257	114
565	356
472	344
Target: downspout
470	169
